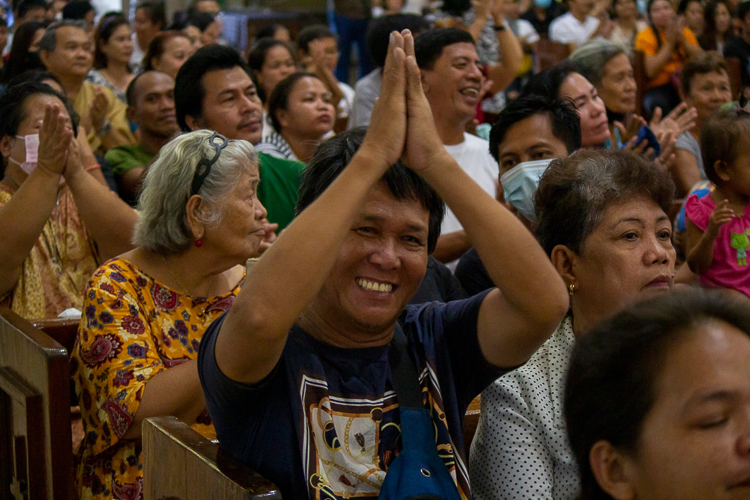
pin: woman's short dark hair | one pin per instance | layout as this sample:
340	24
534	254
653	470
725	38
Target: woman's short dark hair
701	64
724	133
154	10
574	192
549	81
13	100
280	96
104	31
20	59
269	31
615	367
333	155
563	117
257	58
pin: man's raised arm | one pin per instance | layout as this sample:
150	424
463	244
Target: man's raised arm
293	270
515	319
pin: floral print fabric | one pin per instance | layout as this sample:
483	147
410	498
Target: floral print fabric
132	328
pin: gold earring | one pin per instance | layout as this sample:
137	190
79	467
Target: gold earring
572	289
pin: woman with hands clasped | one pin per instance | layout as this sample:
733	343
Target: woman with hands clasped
57	220
308	336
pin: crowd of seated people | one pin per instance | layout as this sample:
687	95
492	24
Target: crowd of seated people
259	245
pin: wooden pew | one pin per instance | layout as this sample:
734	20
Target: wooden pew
641	80
35	455
180	464
548	53
735	77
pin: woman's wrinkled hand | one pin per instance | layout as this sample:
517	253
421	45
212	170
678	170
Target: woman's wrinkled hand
55	137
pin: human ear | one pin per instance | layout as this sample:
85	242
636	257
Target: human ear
283	117
44	56
130	113
6	145
722	170
613	471
563	259
192	122
196	211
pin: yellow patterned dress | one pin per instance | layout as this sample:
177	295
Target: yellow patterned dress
54	274
133	327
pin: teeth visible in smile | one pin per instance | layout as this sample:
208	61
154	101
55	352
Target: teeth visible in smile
470	92
374	286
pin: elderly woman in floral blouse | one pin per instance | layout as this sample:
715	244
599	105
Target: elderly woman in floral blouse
146	311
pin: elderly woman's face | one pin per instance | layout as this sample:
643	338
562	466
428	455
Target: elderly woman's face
695	442
628	254
618	87
240	233
594	124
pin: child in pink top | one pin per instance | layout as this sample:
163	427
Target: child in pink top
718	229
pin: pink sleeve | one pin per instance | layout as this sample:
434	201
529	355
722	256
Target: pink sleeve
698	210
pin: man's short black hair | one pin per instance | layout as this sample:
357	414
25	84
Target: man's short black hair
563	117
13	99
189	91
26	5
428	47
379	32
154	11
333	155
77	10
311	33
130	94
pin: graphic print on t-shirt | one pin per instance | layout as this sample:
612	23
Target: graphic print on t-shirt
349	443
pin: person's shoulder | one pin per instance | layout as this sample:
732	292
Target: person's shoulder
122	150
475	142
560	21
688	142
282	164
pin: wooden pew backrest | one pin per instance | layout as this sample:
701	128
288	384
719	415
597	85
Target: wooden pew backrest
35	454
180	464
548	53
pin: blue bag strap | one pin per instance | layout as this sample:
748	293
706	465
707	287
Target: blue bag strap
404	371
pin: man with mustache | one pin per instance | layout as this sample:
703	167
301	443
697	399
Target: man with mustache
214	90
452	80
150	106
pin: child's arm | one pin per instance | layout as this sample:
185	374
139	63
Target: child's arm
700	244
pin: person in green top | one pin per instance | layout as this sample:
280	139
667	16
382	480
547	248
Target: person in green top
214	90
150	97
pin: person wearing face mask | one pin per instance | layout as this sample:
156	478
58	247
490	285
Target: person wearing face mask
602	219
58	222
530	132
541	14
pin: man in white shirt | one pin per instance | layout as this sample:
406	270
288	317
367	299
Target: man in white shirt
452	80
578	26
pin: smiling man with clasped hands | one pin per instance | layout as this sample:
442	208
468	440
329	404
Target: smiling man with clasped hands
296	375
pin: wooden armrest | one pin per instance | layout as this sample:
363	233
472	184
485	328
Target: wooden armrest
180	463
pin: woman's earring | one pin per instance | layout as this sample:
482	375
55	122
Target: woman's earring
199	243
572	289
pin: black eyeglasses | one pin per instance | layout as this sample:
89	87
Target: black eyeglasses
204	166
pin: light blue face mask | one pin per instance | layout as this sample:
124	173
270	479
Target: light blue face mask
642	6
542	4
520	183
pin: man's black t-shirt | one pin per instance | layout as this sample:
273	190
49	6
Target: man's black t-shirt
325	423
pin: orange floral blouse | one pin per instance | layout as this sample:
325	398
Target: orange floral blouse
132	328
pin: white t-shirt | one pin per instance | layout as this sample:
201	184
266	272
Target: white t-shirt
568	29
345	104
473	156
137	57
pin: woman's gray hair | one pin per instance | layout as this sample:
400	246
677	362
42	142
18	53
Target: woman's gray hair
591	57
574	193
163	224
